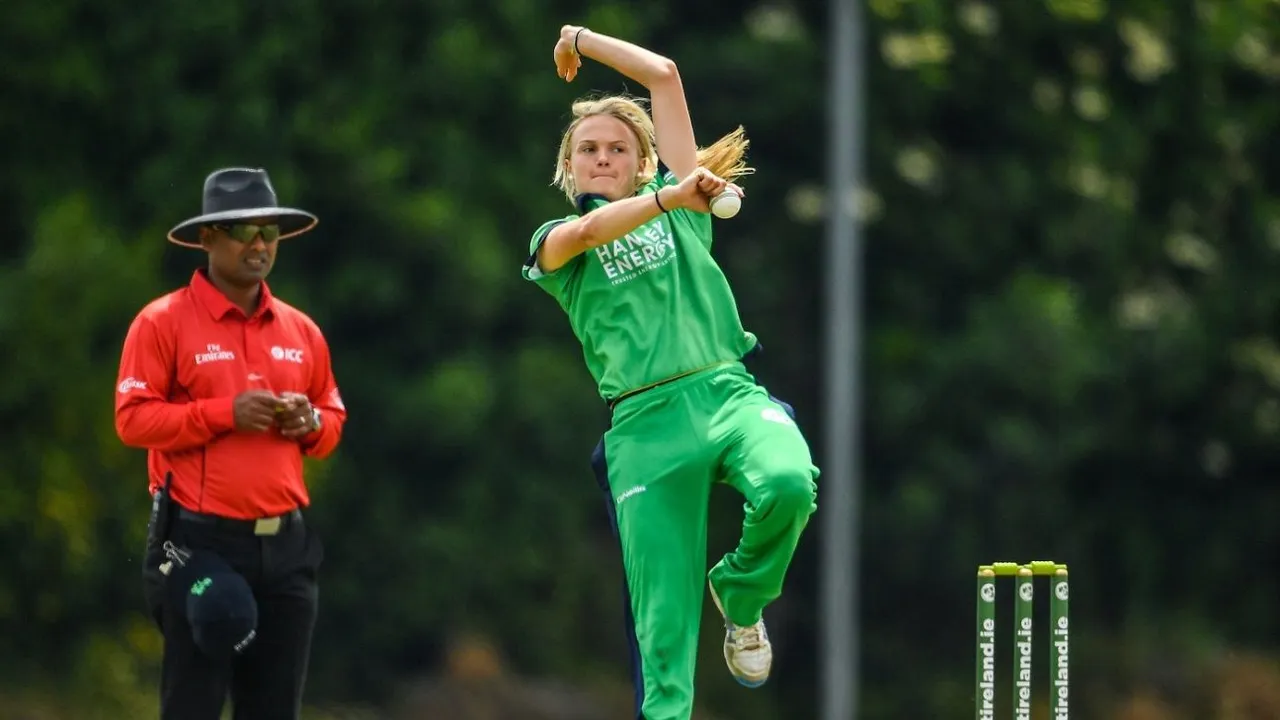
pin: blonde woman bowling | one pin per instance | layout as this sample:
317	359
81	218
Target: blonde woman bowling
632	269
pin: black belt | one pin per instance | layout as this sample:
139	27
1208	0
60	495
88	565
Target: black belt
261	526
628	395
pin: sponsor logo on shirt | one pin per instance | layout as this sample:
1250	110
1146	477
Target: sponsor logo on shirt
642	250
293	355
130	384
214	353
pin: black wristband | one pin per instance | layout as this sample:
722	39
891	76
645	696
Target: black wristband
575	40
655	199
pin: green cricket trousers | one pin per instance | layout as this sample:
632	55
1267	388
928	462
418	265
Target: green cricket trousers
656	463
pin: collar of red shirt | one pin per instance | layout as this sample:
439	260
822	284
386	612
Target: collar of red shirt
212	299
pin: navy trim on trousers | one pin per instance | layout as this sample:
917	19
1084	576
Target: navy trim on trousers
600	466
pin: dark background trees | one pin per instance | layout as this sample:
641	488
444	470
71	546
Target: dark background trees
1071	232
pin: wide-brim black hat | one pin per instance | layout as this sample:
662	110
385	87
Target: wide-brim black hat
232	194
216	602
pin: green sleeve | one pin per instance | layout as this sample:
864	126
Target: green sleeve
556	282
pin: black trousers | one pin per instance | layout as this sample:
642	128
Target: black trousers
267	681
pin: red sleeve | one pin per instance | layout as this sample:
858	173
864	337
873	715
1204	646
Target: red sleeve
323	393
144	416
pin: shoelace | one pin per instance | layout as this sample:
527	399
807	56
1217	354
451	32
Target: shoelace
747	638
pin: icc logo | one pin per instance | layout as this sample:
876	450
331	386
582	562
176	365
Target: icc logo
293	355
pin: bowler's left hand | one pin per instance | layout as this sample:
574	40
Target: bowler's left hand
295	416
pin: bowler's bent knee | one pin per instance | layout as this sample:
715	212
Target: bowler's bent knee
789	492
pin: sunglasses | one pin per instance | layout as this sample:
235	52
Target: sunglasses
246	232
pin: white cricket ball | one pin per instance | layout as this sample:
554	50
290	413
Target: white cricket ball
726	204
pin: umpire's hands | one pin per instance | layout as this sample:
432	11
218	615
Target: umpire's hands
254	410
295	416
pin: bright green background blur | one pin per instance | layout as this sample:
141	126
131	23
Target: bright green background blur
1073	240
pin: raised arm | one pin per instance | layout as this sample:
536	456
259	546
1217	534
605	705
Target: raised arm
677	147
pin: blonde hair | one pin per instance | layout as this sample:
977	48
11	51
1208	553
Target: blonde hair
725	157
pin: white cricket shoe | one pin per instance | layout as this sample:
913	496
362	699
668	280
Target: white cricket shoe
747	650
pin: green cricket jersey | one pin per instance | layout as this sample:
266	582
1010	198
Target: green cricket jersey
650	305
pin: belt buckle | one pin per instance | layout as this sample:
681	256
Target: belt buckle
266	526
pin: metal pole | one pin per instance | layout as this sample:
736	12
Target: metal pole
840	489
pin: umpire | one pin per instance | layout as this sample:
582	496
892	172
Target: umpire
227	388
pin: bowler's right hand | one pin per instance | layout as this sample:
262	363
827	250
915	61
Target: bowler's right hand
696	190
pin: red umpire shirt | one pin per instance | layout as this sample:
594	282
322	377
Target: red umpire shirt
186	357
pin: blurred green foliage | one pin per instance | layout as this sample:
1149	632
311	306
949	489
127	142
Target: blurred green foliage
1072	233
